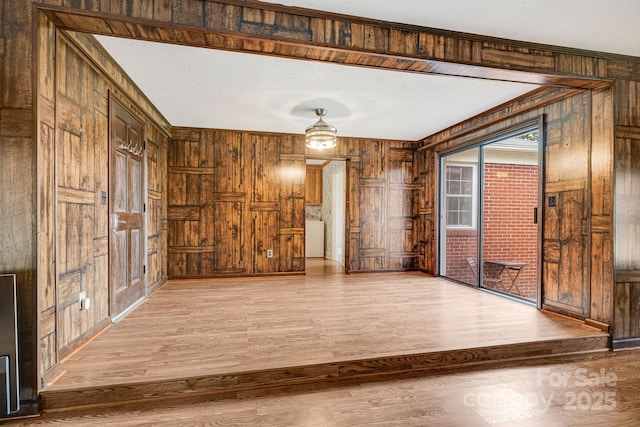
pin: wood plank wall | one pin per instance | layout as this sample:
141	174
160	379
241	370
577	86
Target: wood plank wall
18	191
627	197
277	30
233	195
578	232
73	156
382	203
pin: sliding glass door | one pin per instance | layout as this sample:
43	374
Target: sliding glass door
489	232
459	216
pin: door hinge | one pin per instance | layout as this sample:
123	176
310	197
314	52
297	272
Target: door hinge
144	269
144	207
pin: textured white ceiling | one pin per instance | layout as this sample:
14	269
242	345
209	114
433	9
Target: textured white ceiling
198	87
217	89
599	25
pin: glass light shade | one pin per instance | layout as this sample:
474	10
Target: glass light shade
321	134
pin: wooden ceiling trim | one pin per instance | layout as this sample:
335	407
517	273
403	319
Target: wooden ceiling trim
515	107
255	28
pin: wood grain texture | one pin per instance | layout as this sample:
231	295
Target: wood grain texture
313	185
233	195
274	30
577	268
318	327
481	396
74	144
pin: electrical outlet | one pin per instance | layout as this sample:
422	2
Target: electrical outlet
269	253
81	298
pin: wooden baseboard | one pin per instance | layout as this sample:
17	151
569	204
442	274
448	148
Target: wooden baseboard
232	275
48	377
90	335
596	324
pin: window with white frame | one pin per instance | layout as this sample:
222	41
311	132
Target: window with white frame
460	189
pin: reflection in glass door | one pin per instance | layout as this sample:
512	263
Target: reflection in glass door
459	231
489	232
510	197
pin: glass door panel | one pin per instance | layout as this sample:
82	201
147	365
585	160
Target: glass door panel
510	194
459	217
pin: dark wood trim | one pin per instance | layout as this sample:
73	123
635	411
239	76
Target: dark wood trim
542	132
628	276
625	343
562	310
295	47
604	327
487	139
543	96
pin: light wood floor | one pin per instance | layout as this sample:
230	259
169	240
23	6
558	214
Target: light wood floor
225	336
547	394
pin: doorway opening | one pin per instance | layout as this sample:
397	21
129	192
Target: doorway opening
327	215
489	217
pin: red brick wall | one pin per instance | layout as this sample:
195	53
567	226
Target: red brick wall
461	243
510	195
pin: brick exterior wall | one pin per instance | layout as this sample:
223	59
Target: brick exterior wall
510	195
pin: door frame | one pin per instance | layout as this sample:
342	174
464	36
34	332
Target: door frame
117	102
346	226
537	122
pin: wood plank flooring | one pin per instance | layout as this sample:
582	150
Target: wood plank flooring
203	336
600	389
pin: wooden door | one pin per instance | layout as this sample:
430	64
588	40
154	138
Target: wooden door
126	275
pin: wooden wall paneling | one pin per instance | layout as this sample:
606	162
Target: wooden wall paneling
426	235
156	154
226	19
249	198
265	202
78	153
602	188
627	154
47	356
373	193
627	193
431	182
229	235
403	189
566	232
292	203
572	266
374	224
354	215
183	205
73	171
232	249
627	309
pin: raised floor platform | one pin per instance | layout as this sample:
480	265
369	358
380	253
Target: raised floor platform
224	336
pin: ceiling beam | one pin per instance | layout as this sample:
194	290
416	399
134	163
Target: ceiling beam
259	28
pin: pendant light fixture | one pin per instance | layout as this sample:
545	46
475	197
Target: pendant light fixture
321	134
